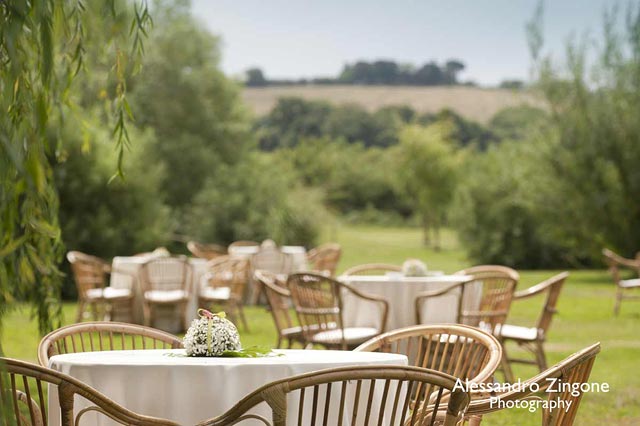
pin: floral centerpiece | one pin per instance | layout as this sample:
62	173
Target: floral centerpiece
414	268
214	335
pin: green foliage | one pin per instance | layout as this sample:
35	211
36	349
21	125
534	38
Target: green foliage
427	171
499	211
298	220
352	176
390	72
109	218
246	201
42	50
295	119
517	123
193	109
574	186
463	131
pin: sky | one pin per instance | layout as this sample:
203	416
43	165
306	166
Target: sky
302	39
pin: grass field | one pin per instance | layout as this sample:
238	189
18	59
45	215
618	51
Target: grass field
585	317
471	102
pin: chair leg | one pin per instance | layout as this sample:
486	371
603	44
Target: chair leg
616	308
541	358
245	324
94	311
505	364
81	305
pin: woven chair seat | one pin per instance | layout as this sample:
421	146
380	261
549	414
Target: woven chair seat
169	296
517	332
218	293
630	283
352	335
108	293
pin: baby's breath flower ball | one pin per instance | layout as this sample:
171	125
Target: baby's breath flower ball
414	268
204	339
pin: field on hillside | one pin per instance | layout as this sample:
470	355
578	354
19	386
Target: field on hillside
585	316
471	102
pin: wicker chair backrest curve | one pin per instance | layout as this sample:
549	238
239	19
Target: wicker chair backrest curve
279	300
103	336
498	286
462	351
206	251
359	395
372	269
23	402
325	258
566	378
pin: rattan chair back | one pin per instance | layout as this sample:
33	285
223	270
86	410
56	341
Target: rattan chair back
462	351
205	251
103	336
562	383
167	274
325	258
227	271
317	302
498	286
359	395
279	301
89	272
23	387
372	269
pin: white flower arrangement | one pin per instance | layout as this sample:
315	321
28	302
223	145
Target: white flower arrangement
211	335
414	268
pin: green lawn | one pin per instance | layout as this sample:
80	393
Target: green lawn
585	317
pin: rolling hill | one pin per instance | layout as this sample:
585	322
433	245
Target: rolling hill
471	102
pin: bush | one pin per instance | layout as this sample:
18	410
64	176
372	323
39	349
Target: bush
497	210
103	216
249	201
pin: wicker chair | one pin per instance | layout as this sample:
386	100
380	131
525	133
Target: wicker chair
325	258
224	285
23	401
372	269
317	300
315	396
498	286
90	275
572	371
103	336
242	243
465	352
532	339
279	300
166	282
615	263
205	251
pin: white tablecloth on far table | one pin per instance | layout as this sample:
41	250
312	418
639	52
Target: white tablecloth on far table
401	292
163	383
166	317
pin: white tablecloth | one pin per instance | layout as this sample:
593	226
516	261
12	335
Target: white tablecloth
188	390
166	317
401	292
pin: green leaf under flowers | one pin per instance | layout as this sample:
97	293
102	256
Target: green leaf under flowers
250	352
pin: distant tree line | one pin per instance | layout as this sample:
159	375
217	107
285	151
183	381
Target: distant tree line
382	72
295	119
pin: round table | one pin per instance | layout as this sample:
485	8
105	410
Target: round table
401	292
166	383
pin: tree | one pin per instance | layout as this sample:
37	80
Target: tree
42	50
428	173
194	110
255	78
451	70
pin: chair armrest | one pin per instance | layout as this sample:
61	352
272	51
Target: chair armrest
440	292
